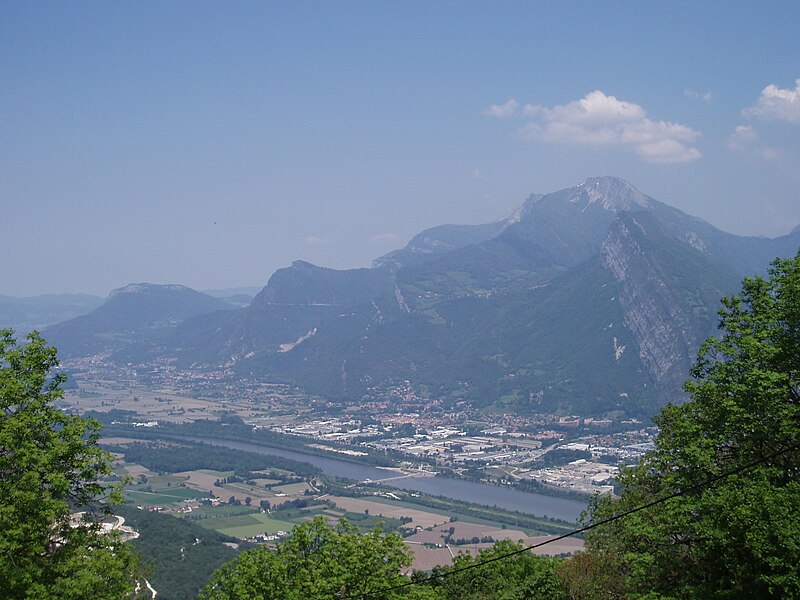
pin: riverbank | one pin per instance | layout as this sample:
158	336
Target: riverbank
483	494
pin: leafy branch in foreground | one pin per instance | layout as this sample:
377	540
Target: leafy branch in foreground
50	467
740	537
318	561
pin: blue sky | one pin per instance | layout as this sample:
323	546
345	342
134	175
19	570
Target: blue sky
212	143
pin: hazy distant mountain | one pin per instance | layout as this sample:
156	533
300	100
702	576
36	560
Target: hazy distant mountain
228	292
593	299
239	296
438	240
138	314
36	312
590	300
288	308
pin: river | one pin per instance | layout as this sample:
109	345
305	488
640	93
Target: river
458	489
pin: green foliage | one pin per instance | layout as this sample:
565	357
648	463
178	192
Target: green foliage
739	537
50	464
317	562
593	575
175	457
180	555
524	576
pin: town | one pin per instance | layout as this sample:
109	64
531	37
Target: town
560	453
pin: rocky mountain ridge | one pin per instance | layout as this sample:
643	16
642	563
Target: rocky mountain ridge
592	299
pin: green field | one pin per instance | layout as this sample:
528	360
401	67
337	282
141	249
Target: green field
158	480
250	490
223	510
292	489
247	525
220	523
266	482
162	496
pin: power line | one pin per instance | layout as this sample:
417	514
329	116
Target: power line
682	492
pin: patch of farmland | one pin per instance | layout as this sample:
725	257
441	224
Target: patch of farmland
134	470
418	517
203	478
163	496
266	482
246	528
292	489
219	523
427	558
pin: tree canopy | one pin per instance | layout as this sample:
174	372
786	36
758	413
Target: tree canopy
318	561
739	536
50	466
522	576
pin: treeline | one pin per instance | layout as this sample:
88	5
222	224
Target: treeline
178	556
319	561
450	505
487	539
512	518
189	456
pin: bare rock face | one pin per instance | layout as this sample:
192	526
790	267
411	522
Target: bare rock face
611	193
652	308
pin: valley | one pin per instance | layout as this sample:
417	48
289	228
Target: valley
550	454
590	301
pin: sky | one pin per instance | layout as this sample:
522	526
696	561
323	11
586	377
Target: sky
211	143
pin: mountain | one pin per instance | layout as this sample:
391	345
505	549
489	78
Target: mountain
135	316
36	312
591	300
284	313
223	293
438	240
238	297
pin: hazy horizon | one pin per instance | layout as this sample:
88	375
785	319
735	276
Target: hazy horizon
210	145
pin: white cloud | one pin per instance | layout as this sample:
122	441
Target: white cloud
384	238
695	95
313	240
743	136
503	111
667	151
768	153
601	120
777	104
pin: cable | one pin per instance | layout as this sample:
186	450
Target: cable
610	519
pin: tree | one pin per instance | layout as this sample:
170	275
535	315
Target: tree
317	562
51	465
740	536
524	576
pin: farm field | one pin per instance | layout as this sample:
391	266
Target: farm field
246	503
250	525
162	496
419	517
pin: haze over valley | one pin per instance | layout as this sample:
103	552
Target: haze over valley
592	300
403	300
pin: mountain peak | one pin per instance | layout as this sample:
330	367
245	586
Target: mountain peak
612	193
145	288
519	213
